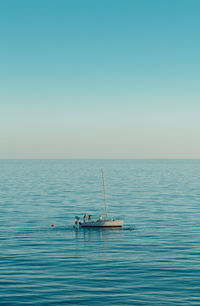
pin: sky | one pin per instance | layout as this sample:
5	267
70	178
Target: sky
99	79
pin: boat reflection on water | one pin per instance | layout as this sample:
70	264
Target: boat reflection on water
98	241
100	233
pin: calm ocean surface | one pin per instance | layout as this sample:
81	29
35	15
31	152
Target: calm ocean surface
158	263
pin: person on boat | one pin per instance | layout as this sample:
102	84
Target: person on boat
89	217
100	218
84	218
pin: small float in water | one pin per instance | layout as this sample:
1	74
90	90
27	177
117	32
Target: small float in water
106	222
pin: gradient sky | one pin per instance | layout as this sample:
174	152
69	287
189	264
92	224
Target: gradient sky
100	79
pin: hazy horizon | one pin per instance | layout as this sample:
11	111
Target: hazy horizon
100	158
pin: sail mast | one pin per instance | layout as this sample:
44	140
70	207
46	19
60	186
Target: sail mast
104	190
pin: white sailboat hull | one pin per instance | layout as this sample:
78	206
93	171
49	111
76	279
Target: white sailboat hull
103	223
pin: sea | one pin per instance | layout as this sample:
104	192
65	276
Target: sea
153	260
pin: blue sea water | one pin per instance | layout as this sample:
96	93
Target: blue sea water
157	263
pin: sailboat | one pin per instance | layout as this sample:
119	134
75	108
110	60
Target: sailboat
106	222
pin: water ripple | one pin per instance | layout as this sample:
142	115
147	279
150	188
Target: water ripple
157	263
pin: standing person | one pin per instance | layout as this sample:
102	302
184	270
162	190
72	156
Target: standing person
84	218
76	223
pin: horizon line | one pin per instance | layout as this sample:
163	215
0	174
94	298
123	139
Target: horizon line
103	158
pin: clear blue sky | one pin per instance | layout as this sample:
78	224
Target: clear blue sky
100	79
